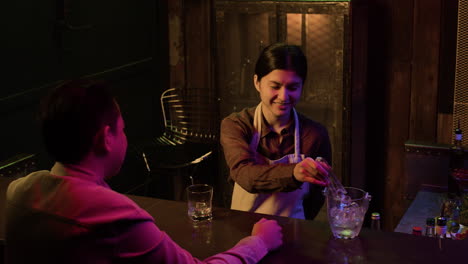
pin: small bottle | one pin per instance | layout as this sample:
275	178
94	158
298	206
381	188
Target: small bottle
441	227
454	226
456	162
430	227
417	231
375	223
458	135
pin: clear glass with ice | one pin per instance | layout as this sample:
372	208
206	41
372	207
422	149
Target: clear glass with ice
346	211
199	198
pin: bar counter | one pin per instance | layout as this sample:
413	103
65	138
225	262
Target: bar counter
304	241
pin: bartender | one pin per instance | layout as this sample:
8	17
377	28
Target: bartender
270	148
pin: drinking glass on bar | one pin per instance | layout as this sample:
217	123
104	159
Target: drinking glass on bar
199	198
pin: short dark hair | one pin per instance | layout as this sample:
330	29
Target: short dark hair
281	56
72	114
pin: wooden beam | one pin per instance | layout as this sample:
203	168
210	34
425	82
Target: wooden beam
425	70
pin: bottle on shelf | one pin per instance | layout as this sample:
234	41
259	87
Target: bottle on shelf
441	227
456	162
430	227
454	225
375	221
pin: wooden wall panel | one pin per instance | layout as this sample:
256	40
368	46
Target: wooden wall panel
398	109
448	46
359	46
198	44
444	125
190	44
390	55
176	22
410	64
399	32
425	69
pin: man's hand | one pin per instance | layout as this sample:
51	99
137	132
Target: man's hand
270	232
315	172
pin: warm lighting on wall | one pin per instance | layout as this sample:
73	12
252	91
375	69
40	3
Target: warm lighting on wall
294	29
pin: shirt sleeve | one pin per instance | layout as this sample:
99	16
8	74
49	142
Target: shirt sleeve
244	167
145	243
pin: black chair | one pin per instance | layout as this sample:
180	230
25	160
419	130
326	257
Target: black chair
191	130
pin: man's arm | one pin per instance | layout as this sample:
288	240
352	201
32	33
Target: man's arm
145	243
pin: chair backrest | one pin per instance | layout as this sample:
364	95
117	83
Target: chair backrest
190	115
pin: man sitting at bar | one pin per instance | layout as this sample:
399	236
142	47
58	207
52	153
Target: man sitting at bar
70	215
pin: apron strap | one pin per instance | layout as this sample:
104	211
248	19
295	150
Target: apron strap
258	128
297	140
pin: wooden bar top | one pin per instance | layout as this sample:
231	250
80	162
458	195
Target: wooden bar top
304	241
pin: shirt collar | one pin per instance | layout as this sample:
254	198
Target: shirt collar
77	171
267	130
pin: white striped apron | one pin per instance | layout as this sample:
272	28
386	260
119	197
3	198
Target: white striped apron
279	203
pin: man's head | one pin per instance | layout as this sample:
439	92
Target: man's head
80	120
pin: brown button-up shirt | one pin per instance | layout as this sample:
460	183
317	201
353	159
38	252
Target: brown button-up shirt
253	173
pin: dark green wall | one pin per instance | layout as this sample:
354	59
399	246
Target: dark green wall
124	42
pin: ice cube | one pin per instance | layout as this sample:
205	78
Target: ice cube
200	205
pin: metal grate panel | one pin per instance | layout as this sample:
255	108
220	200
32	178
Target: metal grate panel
244	42
460	98
324	51
294	29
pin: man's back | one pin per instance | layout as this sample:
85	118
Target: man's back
66	219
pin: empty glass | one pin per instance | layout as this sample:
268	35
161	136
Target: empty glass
199	197
346	211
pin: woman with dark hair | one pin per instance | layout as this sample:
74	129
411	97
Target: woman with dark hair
270	149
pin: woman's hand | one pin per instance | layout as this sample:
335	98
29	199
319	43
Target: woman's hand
310	170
